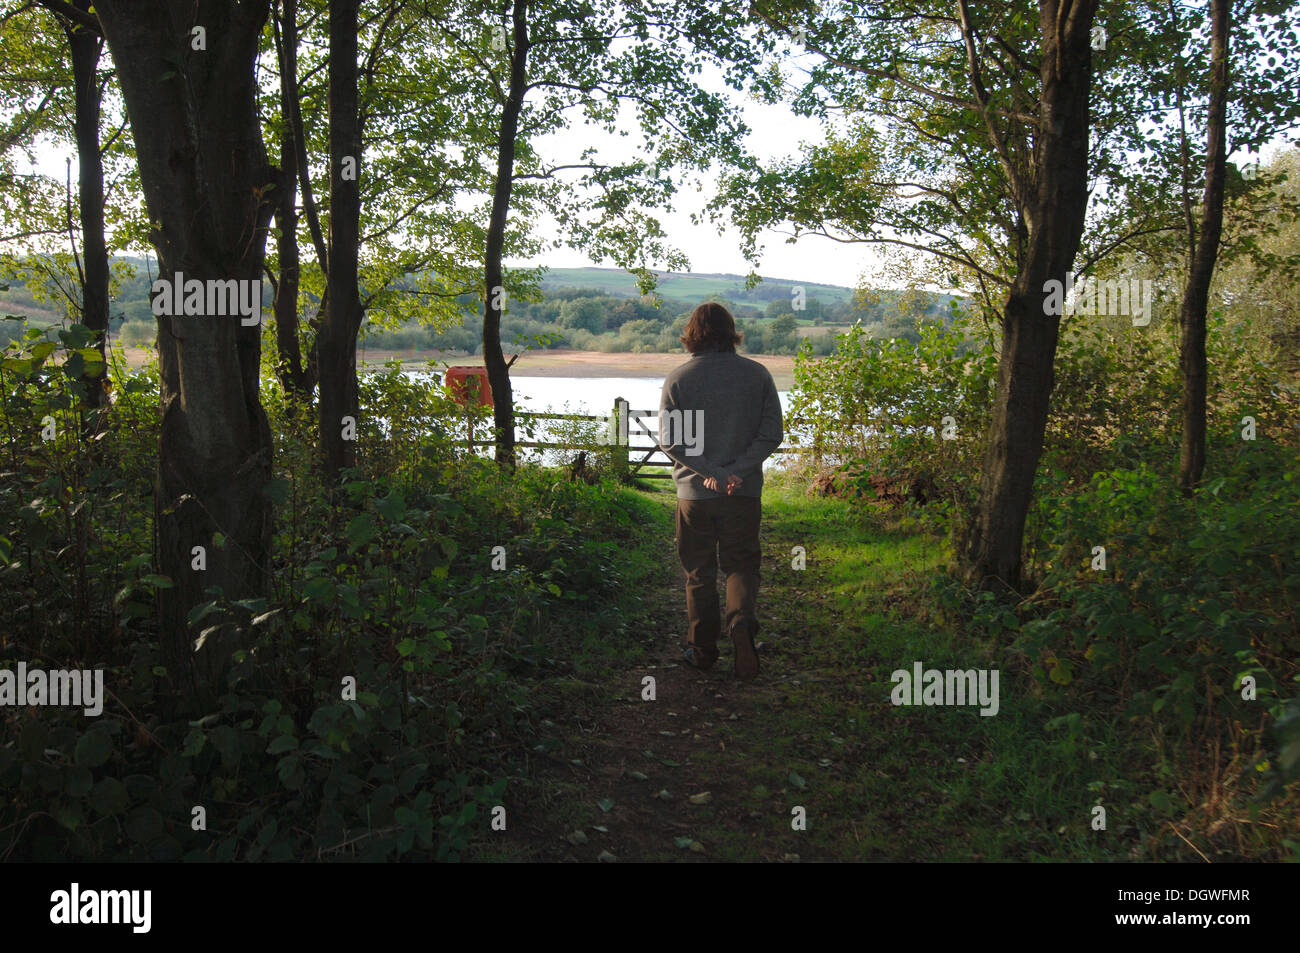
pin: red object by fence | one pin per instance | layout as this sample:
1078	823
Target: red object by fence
463	380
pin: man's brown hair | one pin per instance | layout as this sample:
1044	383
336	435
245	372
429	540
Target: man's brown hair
711	328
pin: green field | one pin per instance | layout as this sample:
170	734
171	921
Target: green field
689	286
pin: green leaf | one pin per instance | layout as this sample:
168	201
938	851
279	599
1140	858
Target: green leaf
68	815
93	749
319	589
20	366
226	740
42	350
74	366
605	804
144	825
282	744
109	797
199	612
361	529
406	783
391	507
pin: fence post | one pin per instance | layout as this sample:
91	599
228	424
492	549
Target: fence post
618	448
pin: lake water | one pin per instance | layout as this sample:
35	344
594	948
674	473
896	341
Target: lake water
593	395
596	395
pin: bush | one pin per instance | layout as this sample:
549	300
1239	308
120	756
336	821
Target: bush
881	407
1194	592
374	683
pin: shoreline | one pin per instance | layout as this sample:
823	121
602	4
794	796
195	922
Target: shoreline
554	363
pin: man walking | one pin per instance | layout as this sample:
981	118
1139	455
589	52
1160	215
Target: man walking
719	419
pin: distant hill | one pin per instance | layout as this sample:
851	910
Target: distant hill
691	286
586	308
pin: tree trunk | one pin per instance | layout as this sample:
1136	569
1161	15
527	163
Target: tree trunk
289	367
203	167
85	48
1196	295
337	341
503	409
1055	205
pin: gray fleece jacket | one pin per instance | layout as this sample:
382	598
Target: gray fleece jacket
719	414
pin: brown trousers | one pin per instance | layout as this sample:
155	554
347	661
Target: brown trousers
715	534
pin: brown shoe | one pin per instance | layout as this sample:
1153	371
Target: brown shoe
746	655
697	659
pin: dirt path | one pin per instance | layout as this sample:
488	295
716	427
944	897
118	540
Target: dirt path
680	777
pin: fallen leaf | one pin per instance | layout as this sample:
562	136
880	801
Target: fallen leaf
605	857
605	804
638	776
704	797
577	838
797	781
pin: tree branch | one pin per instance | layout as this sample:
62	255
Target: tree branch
982	99
69	12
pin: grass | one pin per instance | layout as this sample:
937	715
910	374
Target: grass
818	732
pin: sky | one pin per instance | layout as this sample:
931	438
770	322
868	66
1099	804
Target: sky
774	133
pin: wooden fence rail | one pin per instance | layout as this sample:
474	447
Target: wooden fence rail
617	439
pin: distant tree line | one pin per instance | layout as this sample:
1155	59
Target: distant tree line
567	317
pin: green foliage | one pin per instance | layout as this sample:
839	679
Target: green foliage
879	406
1186	629
1193	595
386	579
